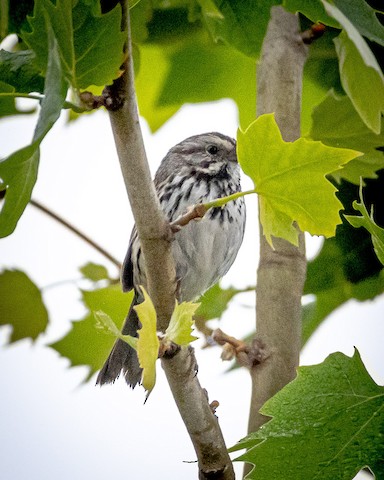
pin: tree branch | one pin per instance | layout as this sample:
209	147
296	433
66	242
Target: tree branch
196	212
155	236
281	272
76	231
154	232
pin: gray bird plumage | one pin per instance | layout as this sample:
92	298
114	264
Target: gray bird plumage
196	170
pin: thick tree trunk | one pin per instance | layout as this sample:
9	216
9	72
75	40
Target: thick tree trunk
281	272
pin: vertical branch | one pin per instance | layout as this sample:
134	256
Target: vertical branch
153	230
281	272
155	237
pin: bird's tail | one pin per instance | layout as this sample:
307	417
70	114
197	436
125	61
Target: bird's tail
123	358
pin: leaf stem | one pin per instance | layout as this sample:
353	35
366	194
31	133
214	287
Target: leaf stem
76	231
200	209
220	202
32	96
40	97
74	107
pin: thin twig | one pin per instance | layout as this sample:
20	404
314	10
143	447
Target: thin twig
198	211
194	213
91	102
76	231
248	355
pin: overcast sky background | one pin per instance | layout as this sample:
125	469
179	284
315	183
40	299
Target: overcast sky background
53	426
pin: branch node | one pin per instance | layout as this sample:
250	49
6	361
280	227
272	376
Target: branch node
168	350
258	352
247	355
89	101
113	96
214	406
316	31
212	474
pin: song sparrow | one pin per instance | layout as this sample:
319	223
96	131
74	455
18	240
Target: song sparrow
198	169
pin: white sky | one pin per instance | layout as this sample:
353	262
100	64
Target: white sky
50	426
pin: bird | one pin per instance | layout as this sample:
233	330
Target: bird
199	169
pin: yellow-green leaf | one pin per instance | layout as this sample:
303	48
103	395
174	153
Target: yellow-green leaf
290	180
104	322
147	343
180	326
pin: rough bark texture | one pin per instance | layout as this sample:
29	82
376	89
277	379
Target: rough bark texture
281	272
155	236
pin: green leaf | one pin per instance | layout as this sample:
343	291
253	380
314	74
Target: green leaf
367	221
329	299
363	17
18	11
94	272
337	292
346	266
18	172
215	302
139	17
105	323
185	67
21	306
154	66
90	44
290	180
321	73
336	123
147	343
178	58
7	102
358	12
359	71
18	70
239	24
85	344
312	9
326	424
180	327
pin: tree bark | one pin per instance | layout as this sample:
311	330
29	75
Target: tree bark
281	271
155	236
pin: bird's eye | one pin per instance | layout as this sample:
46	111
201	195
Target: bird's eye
212	149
